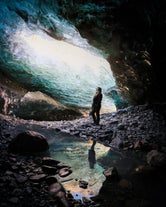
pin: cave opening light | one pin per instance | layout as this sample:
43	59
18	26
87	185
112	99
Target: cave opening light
74	70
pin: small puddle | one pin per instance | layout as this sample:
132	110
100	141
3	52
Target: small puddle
88	160
85	159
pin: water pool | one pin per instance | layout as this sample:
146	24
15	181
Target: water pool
86	159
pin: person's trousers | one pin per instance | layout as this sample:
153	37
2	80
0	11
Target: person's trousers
96	116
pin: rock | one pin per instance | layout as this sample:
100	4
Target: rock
21	178
50	161
39	106
49	170
55	188
121	127
65	171
116	143
61	195
118	101
156	159
125	184
137	145
14	200
28	142
83	184
17	192
86	200
38	178
51	180
138	203
111	174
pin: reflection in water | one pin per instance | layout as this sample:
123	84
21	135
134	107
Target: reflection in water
92	155
75	153
88	160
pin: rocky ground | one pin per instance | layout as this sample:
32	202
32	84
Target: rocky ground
139	130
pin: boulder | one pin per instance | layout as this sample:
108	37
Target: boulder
28	142
38	178
51	180
156	159
83	184
111	174
49	170
41	107
65	171
55	188
50	161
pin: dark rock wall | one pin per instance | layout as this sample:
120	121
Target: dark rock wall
132	32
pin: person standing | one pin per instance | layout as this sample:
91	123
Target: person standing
96	106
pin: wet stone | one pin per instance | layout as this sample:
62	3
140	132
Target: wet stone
83	184
21	178
38	178
17	191
49	170
14	200
50	180
50	161
65	171
55	188
111	174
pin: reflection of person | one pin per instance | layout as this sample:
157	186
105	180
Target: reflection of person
96	105
92	155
